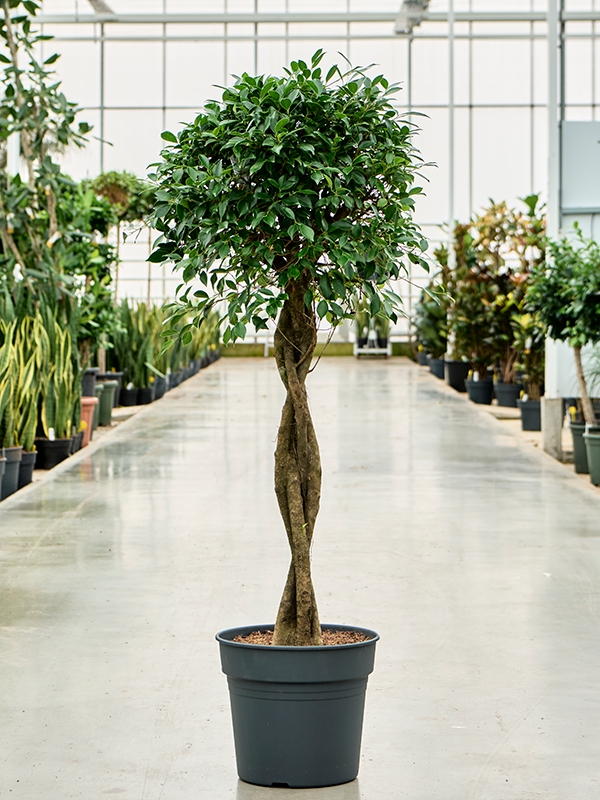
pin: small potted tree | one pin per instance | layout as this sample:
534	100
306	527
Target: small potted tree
565	293
285	200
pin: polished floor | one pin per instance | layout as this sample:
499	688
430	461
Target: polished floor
475	557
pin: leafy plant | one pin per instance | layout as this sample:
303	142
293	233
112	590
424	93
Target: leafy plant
58	389
287	199
529	344
565	293
431	325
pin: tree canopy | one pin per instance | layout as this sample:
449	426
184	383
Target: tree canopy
285	175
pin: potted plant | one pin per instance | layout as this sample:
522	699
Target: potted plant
286	199
28	360
11	450
529	343
58	398
564	292
431	327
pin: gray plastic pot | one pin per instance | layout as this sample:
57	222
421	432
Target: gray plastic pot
10	479
531	415
592	445
480	392
436	367
297	712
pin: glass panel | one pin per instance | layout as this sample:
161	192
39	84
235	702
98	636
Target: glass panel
133	31
462	168
240	59
135	138
317	29
429	72
461	72
192	70
578	78
540	151
432	142
271	58
79	70
501	136
84	162
578	113
501	72
271	29
391	57
540	72
189	30
133	73
193	7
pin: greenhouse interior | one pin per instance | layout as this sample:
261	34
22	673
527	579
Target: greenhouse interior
201	205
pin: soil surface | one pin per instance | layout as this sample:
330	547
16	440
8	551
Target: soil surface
329	637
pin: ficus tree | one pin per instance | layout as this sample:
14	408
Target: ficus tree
565	293
285	200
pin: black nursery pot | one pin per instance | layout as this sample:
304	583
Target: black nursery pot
456	373
128	397
26	467
436	367
480	392
10	479
422	358
51	453
144	395
507	394
531	415
297	712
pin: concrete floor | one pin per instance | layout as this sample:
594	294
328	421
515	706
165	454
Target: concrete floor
475	556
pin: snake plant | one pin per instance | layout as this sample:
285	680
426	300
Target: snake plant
58	389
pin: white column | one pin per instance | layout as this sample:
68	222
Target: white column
552	402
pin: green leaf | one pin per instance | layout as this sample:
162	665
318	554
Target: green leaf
168	137
322	309
307	232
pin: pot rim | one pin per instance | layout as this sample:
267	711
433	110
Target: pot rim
222	639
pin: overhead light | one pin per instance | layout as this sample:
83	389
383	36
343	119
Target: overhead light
100	7
412	13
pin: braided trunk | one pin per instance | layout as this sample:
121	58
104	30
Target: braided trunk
297	467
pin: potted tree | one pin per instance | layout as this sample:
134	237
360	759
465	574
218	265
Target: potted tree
286	199
565	293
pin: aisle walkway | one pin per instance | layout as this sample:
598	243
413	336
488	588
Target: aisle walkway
476	558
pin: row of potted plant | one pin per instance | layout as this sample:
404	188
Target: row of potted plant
475	319
136	350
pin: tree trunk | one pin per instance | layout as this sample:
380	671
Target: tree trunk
297	467
586	403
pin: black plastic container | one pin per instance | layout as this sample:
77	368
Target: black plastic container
88	382
160	387
26	467
10	479
480	392
128	397
422	358
2	465
456	373
507	394
531	415
436	367
145	395
51	453
297	711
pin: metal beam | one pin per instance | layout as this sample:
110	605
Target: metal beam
459	16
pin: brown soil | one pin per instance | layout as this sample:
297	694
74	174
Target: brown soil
329	637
